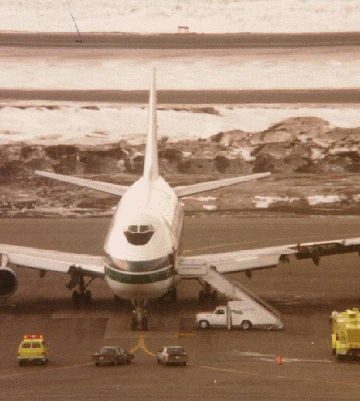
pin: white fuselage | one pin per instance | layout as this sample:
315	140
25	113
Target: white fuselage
143	241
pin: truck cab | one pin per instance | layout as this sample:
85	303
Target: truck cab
217	318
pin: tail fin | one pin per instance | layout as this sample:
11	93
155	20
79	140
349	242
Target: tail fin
151	163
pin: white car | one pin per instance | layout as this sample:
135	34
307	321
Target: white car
172	355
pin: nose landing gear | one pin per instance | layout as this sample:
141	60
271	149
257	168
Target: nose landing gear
139	319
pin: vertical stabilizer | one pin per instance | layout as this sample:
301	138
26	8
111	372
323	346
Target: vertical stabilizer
151	164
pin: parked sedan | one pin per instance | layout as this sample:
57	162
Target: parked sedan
172	355
112	355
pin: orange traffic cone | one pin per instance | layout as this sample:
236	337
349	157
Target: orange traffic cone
279	360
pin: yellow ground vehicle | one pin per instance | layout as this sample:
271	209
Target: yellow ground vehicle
346	334
33	348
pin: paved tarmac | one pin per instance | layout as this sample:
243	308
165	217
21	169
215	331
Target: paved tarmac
224	365
246	96
178	41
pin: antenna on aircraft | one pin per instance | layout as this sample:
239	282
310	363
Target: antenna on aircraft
79	40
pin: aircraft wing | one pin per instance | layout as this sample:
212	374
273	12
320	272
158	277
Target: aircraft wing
253	259
211	185
55	261
83	182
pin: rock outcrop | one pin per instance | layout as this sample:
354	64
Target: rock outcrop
296	146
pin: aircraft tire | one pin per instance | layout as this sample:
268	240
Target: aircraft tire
145	324
133	324
174	294
87	297
75	298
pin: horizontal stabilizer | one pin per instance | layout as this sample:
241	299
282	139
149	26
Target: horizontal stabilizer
83	182
210	185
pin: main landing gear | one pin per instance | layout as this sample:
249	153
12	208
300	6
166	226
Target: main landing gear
139	319
81	296
207	294
170	295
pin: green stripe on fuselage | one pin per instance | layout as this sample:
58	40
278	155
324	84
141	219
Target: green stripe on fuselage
143	278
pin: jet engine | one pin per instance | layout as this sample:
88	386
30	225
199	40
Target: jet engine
8	282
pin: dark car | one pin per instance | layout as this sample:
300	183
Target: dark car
172	355
112	355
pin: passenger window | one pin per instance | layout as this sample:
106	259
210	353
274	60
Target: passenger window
26	345
36	345
220	312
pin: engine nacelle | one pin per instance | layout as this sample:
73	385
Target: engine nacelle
8	282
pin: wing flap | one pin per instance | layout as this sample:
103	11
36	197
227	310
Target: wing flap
101	186
262	258
55	261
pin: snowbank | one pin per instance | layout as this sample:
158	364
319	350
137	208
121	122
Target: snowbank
325	199
75	123
263	202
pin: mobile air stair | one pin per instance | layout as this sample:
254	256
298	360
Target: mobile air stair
220	283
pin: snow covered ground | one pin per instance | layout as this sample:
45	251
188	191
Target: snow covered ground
179	69
264	202
166	16
77	123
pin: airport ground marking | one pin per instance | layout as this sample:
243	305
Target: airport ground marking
184	334
279	377
142	346
49	369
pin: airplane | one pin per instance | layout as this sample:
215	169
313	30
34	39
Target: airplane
142	249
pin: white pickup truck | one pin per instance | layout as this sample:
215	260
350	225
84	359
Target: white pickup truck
244	315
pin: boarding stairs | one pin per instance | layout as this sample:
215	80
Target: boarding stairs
220	283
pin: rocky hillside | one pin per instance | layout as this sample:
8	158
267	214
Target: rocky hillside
291	149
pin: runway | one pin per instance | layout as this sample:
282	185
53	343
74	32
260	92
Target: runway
179	41
169	97
224	365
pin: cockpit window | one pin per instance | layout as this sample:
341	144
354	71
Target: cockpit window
139	235
144	229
